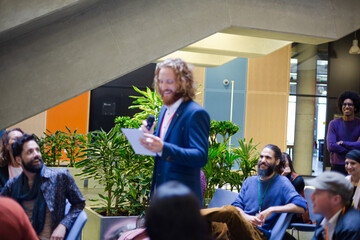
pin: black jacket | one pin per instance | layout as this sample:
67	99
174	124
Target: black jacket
347	227
4	176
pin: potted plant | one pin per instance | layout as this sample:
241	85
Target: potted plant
110	160
74	144
222	159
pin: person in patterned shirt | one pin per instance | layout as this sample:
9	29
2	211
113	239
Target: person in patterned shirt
42	191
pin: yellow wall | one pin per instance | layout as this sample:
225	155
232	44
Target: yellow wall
199	76
267	98
34	125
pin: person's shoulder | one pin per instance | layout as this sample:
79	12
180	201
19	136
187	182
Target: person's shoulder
283	180
193	105
351	218
336	120
12	181
251	179
52	172
352	213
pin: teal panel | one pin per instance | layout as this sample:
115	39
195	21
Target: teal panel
217	96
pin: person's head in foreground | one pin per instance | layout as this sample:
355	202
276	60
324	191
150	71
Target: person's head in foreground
332	193
269	161
174	213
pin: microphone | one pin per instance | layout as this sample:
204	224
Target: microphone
150	121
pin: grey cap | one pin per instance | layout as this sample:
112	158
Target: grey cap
334	182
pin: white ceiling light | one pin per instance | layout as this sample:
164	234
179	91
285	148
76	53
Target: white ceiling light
355	46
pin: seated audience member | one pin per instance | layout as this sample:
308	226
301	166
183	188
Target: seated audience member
332	195
287	170
261	200
9	168
352	165
174	213
14	224
42	191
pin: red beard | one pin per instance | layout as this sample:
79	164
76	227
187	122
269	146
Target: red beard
170	99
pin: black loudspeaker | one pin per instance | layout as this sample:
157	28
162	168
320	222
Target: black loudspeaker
112	99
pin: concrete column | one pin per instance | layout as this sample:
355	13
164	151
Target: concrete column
305	109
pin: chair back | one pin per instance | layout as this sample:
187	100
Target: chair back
75	231
279	228
308	191
222	197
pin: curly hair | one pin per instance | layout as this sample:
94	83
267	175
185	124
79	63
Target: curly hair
184	76
349	95
4	152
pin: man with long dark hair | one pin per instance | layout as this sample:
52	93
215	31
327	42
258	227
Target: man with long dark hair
42	191
259	202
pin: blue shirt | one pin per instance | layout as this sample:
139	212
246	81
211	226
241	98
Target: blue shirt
280	192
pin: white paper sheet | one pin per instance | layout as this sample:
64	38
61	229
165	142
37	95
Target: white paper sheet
133	135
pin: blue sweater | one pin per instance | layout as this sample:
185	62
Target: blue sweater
280	192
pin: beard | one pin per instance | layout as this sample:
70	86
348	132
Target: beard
33	168
172	98
265	172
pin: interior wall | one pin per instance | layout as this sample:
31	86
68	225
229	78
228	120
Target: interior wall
73	114
199	76
34	125
217	99
343	75
267	98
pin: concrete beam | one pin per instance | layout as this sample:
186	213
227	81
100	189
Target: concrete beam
54	63
75	47
18	17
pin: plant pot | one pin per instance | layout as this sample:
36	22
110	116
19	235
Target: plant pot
73	171
106	228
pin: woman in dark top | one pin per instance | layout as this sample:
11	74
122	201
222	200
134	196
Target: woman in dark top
287	170
9	168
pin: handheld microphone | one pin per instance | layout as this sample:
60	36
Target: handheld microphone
150	121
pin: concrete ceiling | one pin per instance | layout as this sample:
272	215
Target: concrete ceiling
221	48
52	51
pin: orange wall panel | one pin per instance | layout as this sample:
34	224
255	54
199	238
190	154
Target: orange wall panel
73	113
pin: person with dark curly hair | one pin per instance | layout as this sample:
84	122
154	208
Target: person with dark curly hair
9	168
42	191
344	133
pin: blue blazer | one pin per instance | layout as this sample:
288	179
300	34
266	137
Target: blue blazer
347	227
185	149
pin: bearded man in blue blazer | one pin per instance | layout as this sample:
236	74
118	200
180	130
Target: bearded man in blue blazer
180	140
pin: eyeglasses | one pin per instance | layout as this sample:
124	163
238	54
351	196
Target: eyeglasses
347	104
